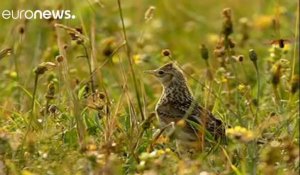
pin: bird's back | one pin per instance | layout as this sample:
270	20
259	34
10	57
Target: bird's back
177	103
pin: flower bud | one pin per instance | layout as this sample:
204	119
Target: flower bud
204	52
252	55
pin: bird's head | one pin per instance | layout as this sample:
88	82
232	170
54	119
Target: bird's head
167	74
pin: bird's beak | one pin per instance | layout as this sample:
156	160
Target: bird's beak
150	72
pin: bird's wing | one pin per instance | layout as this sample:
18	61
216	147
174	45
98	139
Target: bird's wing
212	124
179	110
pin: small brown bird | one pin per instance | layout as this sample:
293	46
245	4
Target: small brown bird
177	105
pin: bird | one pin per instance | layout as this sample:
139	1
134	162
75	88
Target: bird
177	105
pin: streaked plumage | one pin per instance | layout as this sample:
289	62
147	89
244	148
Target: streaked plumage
177	102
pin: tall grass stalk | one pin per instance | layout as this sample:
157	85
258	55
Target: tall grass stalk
138	96
81	131
252	148
296	45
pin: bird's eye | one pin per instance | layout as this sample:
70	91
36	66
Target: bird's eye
161	72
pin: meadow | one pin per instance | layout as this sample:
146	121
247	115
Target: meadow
74	98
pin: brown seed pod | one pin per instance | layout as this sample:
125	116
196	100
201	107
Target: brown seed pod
43	67
295	84
59	58
50	91
166	52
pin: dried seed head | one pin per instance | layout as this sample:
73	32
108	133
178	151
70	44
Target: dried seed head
107	51
79	29
295	84
149	13
109	46
227	27
276	74
101	95
53	109
252	55
166	52
204	52
50	91
226	13
79	41
219	52
239	58
43	67
231	43
59	58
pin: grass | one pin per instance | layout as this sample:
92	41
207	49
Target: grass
74	98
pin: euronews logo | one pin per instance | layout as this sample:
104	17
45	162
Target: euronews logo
37	14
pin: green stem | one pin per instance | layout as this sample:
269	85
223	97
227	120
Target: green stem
90	68
34	93
130	61
258	92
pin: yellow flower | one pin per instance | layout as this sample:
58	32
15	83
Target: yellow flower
224	80
181	123
240	133
241	87
26	172
286	48
137	58
263	22
213	38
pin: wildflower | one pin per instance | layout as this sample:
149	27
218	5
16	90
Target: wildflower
13	75
241	134
212	38
181	123
263	22
167	150
144	156
224	80
241	87
137	58
286	48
